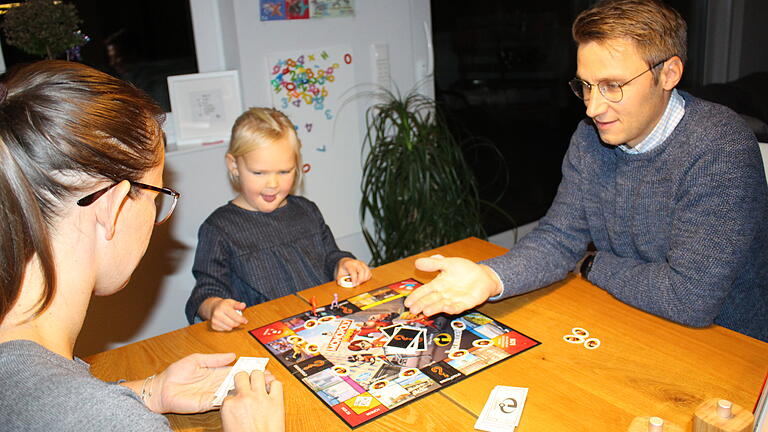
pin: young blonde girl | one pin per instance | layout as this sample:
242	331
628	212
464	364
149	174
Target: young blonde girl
266	243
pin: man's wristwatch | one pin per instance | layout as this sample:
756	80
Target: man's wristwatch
586	266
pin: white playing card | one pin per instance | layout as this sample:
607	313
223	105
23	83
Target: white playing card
503	409
243	364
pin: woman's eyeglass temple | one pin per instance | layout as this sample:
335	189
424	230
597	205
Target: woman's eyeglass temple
164	208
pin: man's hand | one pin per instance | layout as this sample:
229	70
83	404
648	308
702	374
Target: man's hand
356	269
461	285
225	314
577	269
257	405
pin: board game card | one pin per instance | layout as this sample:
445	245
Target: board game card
390	330
503	409
421	340
243	364
402	338
413	345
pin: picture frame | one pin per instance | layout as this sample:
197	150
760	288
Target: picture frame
204	106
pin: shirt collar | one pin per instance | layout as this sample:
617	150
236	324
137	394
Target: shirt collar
669	120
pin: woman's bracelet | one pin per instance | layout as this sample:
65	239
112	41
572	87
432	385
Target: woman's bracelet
146	390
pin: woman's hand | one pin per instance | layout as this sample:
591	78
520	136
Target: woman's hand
188	385
256	406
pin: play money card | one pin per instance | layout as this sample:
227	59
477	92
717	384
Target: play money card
243	364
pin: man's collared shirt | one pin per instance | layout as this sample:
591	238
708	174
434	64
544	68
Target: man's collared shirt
669	120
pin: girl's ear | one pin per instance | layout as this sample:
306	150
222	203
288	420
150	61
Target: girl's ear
109	206
232	165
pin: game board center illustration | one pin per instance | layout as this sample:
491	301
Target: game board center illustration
367	355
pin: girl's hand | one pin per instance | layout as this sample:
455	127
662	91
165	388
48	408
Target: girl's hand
224	314
188	385
356	269
256	406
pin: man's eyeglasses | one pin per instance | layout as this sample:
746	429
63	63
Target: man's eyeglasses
611	90
165	201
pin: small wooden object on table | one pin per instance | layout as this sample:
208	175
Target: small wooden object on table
720	415
653	424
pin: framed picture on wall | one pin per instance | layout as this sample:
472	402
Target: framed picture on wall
204	106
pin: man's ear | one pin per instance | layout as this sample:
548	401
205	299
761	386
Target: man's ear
672	73
109	206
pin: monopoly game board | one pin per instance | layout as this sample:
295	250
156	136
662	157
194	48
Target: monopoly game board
367	355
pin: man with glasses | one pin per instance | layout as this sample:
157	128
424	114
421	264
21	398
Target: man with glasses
670	190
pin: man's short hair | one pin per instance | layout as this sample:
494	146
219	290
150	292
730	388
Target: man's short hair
658	31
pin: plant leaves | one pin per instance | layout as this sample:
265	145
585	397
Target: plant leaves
418	191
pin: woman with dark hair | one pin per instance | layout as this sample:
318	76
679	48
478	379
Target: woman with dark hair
81	163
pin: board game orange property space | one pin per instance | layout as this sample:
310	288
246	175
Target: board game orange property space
368	355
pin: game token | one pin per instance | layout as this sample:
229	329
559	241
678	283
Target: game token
327	318
379	385
310	323
409	372
573	339
345	282
458	329
482	342
457	354
313	303
313	349
340	370
578	331
592	343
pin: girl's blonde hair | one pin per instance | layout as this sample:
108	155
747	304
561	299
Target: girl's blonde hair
260	127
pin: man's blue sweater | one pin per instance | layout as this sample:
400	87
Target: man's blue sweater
681	231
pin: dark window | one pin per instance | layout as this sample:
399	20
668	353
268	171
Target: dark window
501	73
140	41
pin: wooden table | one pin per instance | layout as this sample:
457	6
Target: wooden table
645	366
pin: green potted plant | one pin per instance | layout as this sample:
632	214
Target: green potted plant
43	28
418	191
